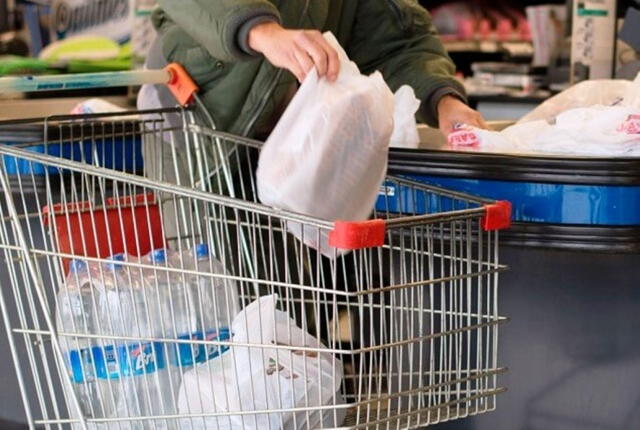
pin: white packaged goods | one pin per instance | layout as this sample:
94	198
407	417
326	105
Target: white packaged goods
137	370
115	378
598	119
74	314
260	378
192	307
219	296
205	306
327	156
405	130
177	313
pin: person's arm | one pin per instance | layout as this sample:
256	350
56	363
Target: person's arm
220	26
398	38
233	30
295	50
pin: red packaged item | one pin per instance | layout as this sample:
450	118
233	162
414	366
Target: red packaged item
464	136
504	30
484	29
631	125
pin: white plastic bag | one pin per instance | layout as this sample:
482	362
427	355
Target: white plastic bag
594	118
97	105
586	94
327	156
263	378
596	131
405	130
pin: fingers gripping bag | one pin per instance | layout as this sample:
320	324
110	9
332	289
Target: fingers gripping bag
263	378
327	156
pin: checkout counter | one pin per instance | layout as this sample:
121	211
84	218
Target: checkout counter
573	289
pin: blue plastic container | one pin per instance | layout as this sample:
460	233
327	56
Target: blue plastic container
123	154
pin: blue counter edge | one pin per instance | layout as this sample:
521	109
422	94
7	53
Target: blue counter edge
595	205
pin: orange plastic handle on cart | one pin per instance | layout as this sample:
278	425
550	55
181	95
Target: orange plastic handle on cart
181	84
498	216
357	235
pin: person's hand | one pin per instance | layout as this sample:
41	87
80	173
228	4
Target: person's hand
453	113
295	50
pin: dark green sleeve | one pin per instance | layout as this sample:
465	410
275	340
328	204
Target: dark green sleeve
398	38
218	25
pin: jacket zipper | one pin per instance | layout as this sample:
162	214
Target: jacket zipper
272	85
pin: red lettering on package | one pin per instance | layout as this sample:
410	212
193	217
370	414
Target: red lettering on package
631	125
464	138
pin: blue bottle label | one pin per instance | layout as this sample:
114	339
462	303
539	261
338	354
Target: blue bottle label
109	366
213	351
121	361
82	366
185	354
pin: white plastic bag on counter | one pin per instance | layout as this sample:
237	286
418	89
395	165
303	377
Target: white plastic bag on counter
405	129
327	156
596	130
263	378
585	94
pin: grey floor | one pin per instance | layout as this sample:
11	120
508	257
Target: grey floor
572	344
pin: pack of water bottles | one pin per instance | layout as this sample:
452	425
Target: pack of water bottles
149	340
118	321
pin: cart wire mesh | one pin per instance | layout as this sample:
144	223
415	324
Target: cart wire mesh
401	335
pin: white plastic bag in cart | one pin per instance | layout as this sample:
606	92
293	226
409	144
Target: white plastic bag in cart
262	378
327	156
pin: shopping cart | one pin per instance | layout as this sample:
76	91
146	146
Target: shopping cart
239	325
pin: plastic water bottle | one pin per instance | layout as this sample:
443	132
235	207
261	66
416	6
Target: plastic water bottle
76	302
179	314
217	300
138	369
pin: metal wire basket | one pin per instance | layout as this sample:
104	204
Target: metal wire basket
239	325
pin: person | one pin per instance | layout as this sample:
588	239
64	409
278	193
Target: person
248	56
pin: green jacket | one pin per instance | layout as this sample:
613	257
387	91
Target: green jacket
242	89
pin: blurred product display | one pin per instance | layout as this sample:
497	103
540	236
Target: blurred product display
143	33
527	48
593	49
469	21
505	47
4	16
511	76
